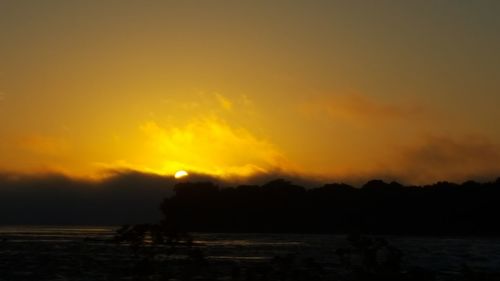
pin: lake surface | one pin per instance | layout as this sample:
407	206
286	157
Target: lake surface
29	251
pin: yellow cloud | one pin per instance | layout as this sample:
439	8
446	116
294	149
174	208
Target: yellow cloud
211	146
224	102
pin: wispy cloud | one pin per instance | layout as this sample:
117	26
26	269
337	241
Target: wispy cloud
43	144
437	158
213	101
224	102
356	107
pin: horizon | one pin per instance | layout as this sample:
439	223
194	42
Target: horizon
126	198
116	175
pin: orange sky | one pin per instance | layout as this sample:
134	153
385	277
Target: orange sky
323	89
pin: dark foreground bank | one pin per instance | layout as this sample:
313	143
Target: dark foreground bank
377	207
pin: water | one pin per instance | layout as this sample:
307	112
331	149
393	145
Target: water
23	249
443	254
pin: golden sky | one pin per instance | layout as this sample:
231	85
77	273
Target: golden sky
332	90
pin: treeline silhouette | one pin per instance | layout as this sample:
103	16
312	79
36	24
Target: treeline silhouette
377	207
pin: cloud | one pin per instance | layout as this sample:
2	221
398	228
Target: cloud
212	146
224	102
356	107
43	145
119	197
211	101
128	196
437	158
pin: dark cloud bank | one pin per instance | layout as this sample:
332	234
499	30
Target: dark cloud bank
123	197
56	199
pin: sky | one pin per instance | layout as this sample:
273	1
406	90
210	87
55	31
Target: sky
326	90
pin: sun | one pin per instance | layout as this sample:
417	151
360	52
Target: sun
180	174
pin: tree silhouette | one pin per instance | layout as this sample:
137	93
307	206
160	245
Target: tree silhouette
378	207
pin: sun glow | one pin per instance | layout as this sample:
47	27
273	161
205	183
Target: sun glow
181	174
209	146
